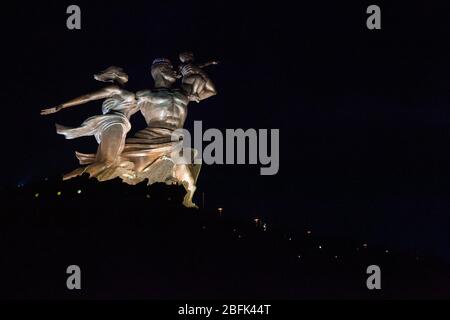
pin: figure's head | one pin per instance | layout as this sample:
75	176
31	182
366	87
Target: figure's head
112	74
186	57
162	70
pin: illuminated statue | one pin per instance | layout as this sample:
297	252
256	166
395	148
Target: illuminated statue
152	154
153	150
110	128
195	81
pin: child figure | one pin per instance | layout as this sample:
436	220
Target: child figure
195	81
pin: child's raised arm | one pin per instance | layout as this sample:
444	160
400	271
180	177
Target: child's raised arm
207	64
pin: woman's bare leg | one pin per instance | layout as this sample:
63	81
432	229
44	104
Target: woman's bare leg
111	145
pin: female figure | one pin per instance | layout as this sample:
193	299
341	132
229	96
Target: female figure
110	128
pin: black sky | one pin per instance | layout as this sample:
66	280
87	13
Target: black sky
364	115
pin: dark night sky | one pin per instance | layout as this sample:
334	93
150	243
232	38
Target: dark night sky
364	115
